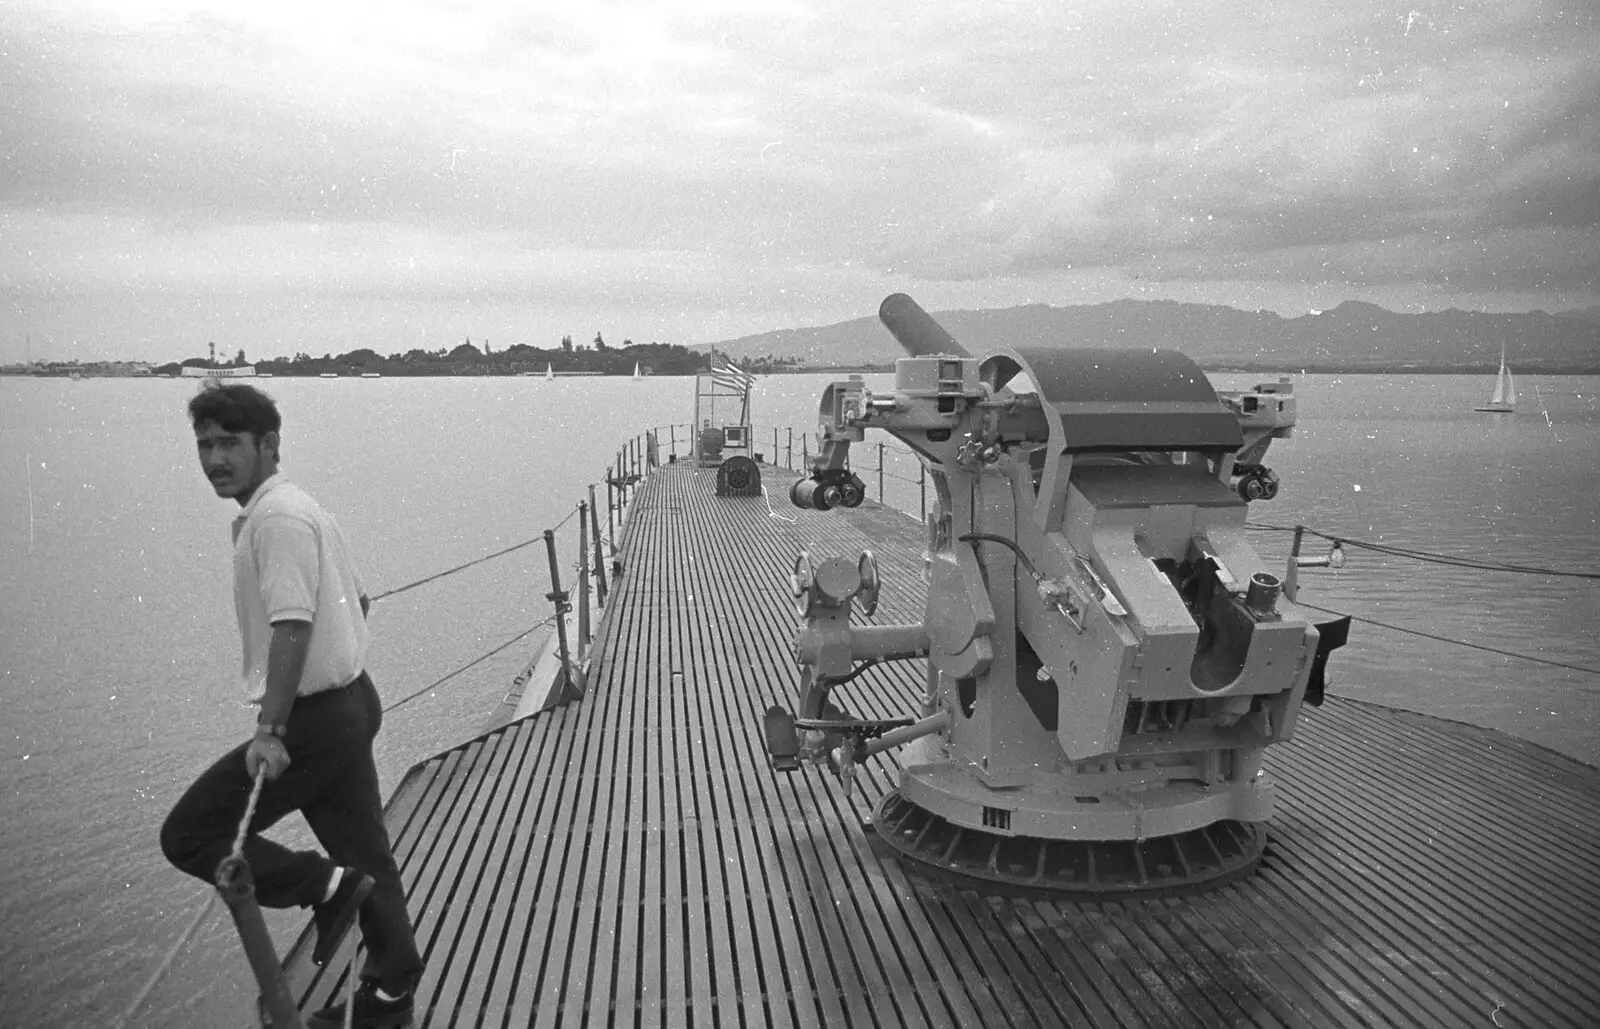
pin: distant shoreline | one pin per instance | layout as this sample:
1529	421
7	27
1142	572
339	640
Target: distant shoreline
88	372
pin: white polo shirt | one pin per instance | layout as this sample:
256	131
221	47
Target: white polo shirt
291	563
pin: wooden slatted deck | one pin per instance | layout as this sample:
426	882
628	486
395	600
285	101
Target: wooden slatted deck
631	860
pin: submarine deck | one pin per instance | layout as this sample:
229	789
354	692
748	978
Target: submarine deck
632	860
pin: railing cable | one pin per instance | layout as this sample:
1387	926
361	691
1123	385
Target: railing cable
1447	639
458	568
1431	558
475	661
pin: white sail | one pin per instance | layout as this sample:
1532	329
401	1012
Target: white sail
1504	398
549	372
636	374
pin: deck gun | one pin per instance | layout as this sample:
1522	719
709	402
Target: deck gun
1107	657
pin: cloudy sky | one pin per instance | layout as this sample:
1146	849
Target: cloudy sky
287	176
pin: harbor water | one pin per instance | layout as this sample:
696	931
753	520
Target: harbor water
118	650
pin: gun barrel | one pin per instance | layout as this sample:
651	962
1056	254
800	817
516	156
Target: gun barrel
915	329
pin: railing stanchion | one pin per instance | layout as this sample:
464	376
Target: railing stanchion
880	473
922	488
599	559
788	456
238	890
672	439
558	597
611	506
1291	573
583	578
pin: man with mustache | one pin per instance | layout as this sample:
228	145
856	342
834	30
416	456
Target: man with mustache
302	619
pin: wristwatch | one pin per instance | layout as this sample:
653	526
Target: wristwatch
271	730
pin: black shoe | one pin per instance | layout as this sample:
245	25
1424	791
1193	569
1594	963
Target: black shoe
371	1011
333	916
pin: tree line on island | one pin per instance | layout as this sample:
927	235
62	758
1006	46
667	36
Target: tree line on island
1352	337
467	358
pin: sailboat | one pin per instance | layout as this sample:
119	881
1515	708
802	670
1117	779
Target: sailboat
549	373
636	374
1504	398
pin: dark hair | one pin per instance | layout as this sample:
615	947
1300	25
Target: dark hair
236	407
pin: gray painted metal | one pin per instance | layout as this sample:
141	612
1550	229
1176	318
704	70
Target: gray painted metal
631	860
1125	399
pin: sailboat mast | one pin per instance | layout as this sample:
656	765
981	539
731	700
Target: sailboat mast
1504	398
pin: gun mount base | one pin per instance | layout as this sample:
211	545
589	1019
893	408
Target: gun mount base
1184	862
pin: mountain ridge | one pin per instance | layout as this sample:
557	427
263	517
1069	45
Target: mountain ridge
1353	336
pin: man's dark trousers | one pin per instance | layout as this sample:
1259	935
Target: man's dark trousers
332	781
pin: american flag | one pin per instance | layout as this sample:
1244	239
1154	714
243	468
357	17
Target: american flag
732	377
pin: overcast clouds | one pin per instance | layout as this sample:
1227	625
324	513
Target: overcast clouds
322	176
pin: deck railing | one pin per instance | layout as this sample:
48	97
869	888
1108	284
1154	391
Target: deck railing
901	478
902	483
596	545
